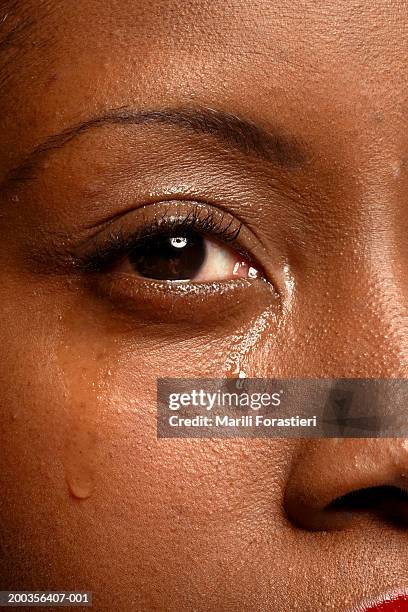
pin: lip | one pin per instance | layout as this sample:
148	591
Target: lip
391	602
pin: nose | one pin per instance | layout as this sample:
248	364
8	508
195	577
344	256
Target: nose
352	304
332	479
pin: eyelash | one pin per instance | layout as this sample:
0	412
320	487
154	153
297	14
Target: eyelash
119	243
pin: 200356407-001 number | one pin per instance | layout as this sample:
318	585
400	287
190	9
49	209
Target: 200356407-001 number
44	598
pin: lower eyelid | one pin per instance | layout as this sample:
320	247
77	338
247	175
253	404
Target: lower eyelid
184	301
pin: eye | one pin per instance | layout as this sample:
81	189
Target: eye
174	262
173	245
186	255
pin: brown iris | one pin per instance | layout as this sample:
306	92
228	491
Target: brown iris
171	257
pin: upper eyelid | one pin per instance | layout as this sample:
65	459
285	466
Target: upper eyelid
63	253
166	205
180	199
117	242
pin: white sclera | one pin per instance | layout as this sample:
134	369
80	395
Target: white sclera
221	263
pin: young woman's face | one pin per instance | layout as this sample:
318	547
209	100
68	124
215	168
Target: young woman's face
287	120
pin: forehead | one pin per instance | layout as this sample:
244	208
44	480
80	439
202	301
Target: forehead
261	58
260	28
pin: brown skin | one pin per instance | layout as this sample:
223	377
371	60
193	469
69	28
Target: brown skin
200	524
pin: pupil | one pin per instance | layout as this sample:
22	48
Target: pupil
169	257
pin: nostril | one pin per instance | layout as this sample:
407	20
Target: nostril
332	480
364	499
390	502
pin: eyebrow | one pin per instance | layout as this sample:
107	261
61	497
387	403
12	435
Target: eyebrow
272	145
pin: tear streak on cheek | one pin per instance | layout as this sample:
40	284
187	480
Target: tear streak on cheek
86	377
241	360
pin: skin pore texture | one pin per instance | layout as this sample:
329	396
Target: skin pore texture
289	118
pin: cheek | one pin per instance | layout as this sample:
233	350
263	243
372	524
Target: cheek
84	469
80	459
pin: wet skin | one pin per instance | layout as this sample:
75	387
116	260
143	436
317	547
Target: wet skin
90	498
